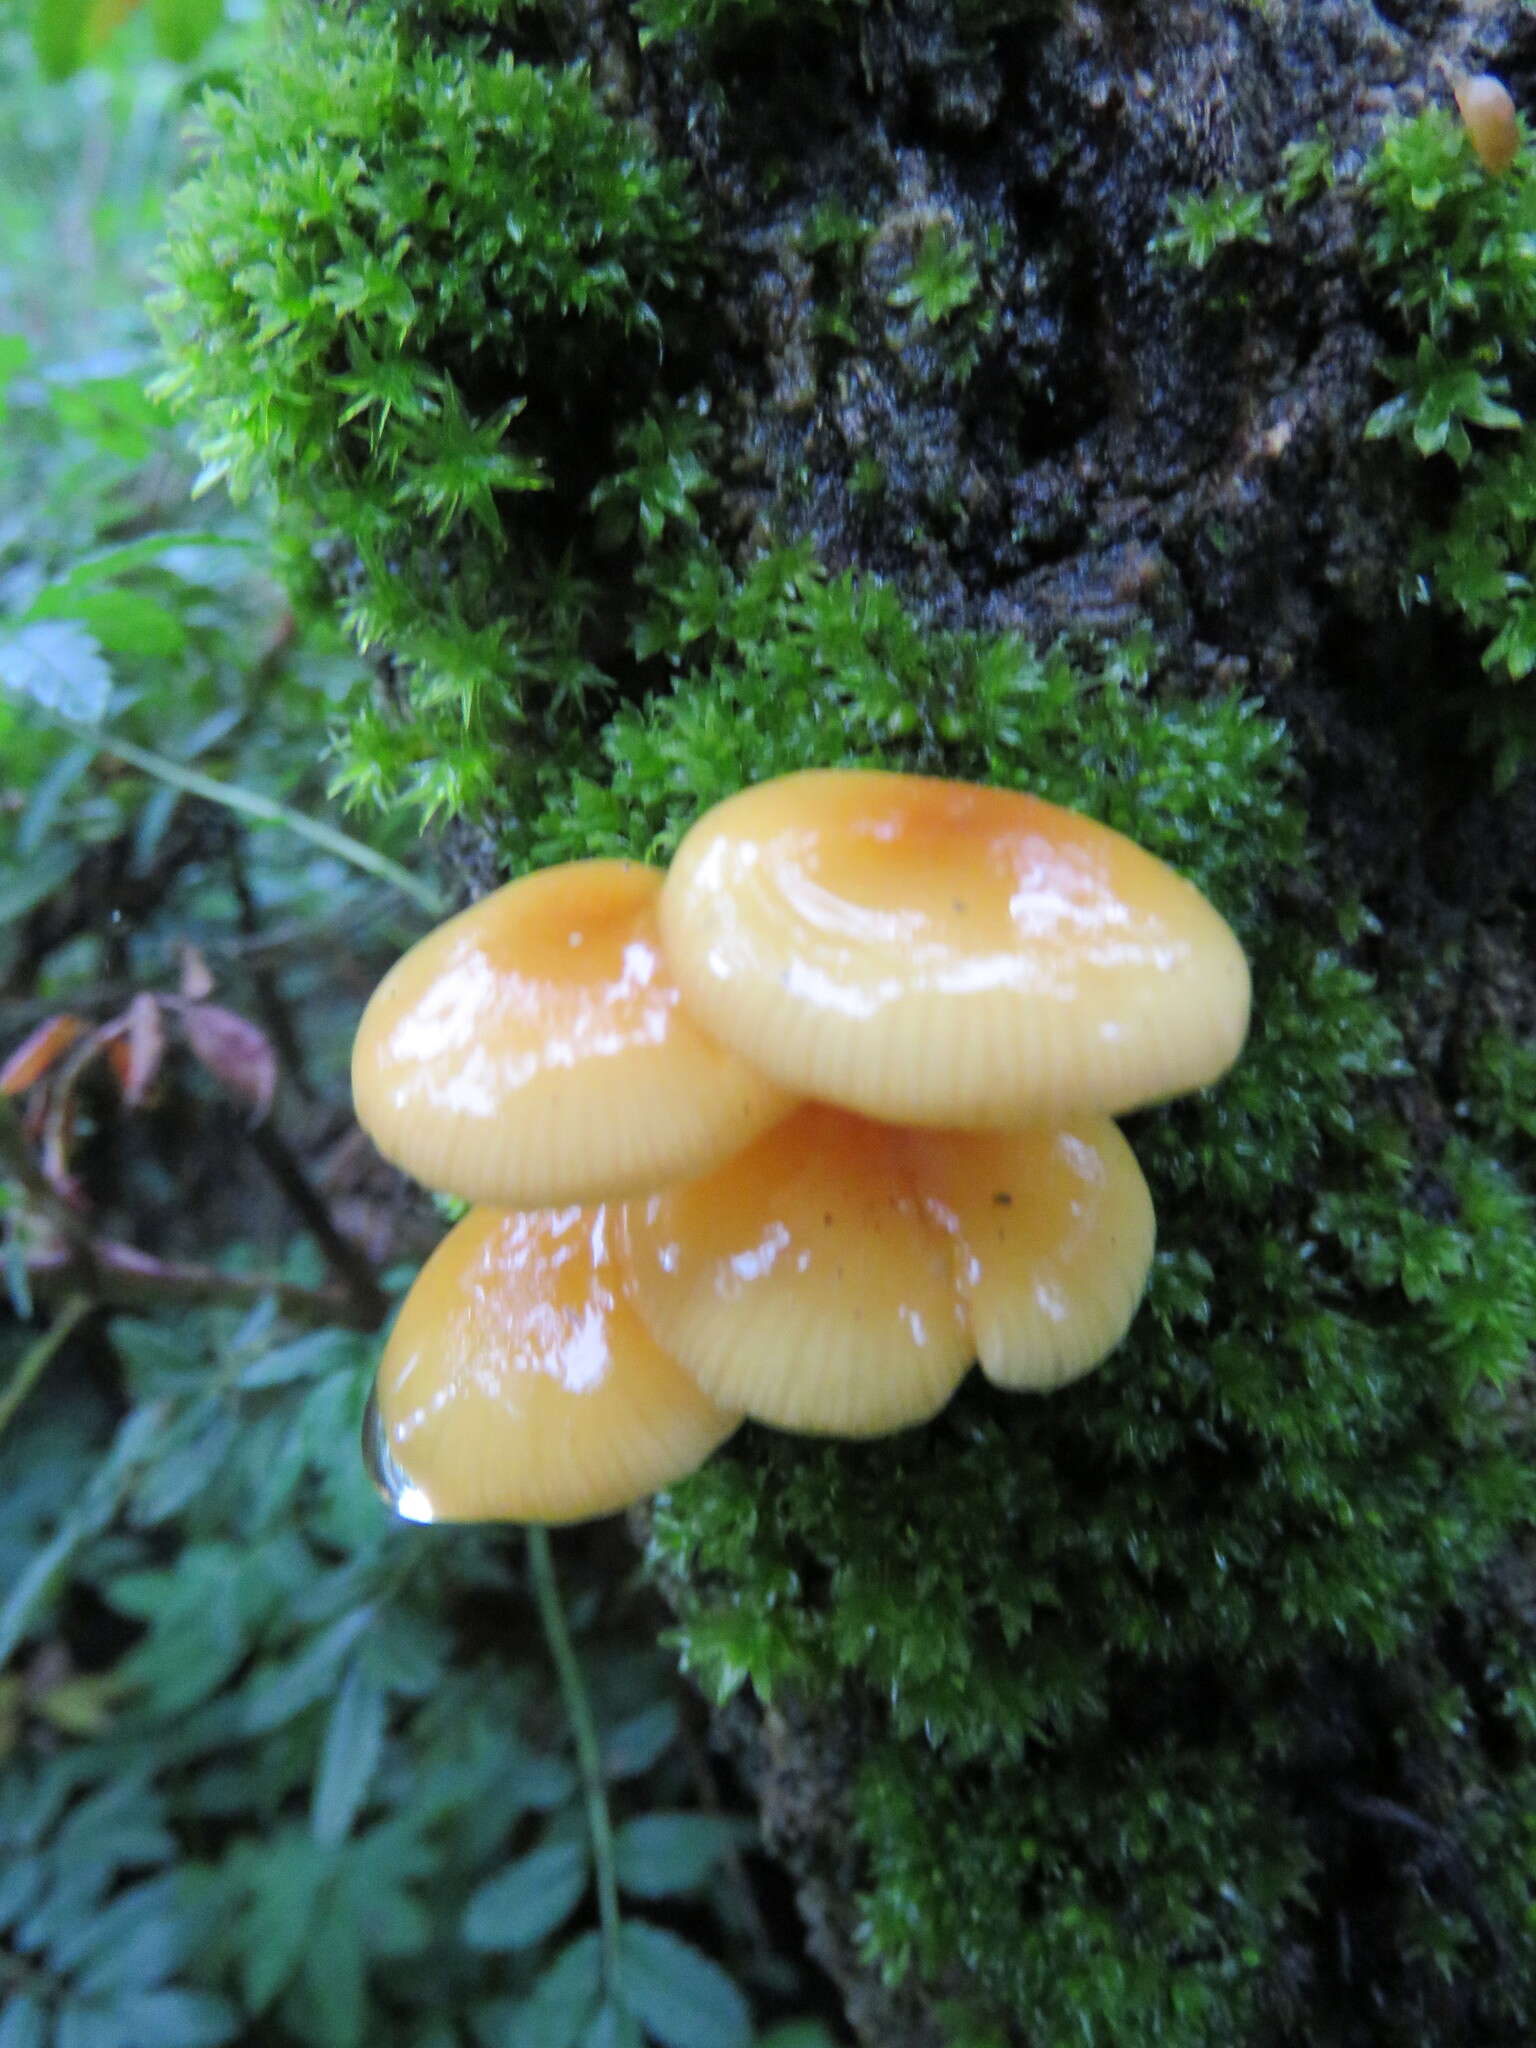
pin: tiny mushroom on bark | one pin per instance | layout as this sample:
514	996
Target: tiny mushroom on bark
940	953
519	1385
1489	116
533	1050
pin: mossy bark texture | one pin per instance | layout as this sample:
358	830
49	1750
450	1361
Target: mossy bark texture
846	411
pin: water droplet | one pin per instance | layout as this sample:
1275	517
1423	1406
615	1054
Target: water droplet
398	1491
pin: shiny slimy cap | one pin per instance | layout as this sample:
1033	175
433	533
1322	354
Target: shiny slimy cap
1052	1233
518	1384
946	954
803	1283
533	1050
1491	121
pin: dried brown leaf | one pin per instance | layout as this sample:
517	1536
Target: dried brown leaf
38	1051
234	1051
146	1048
196	976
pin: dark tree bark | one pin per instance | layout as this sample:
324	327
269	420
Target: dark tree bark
1136	441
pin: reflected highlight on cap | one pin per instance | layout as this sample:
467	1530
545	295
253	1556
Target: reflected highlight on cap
518	1383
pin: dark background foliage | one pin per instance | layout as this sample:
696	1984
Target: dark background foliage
272	1768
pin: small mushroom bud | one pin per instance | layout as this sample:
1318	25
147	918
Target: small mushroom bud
1493	126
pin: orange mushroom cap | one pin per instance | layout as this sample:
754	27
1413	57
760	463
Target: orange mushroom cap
1053	1233
519	1385
802	1282
938	953
533	1050
839	1276
1491	121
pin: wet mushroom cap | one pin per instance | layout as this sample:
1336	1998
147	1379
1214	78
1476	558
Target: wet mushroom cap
1053	1233
802	1282
533	1050
1491	120
939	953
519	1385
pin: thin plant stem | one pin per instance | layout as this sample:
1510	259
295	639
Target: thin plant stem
346	1260
589	1760
119	1276
36	1360
265	809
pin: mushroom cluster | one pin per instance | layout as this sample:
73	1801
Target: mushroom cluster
796	1131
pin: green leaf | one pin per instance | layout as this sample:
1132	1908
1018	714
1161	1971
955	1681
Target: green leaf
679	1995
797	2034
611	2027
132	1944
122	621
197	1634
49	794
307	1357
174	2018
540	1782
15	354
282	1691
58	35
354	1742
285	1880
22	2024
560	2004
90	2026
115	414
529	1899
102	564
57	666
183	26
132	1448
20	1883
661	1853
42	874
635	1745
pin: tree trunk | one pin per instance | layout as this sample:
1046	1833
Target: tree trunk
1101	437
1186	1706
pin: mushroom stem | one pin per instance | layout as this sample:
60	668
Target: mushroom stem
589	1759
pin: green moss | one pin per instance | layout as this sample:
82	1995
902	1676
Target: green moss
1084	1628
1301	1455
1445	245
416	291
1119	1661
1450	248
1502	1092
1206	223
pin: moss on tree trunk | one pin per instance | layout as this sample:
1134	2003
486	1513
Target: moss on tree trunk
677	400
